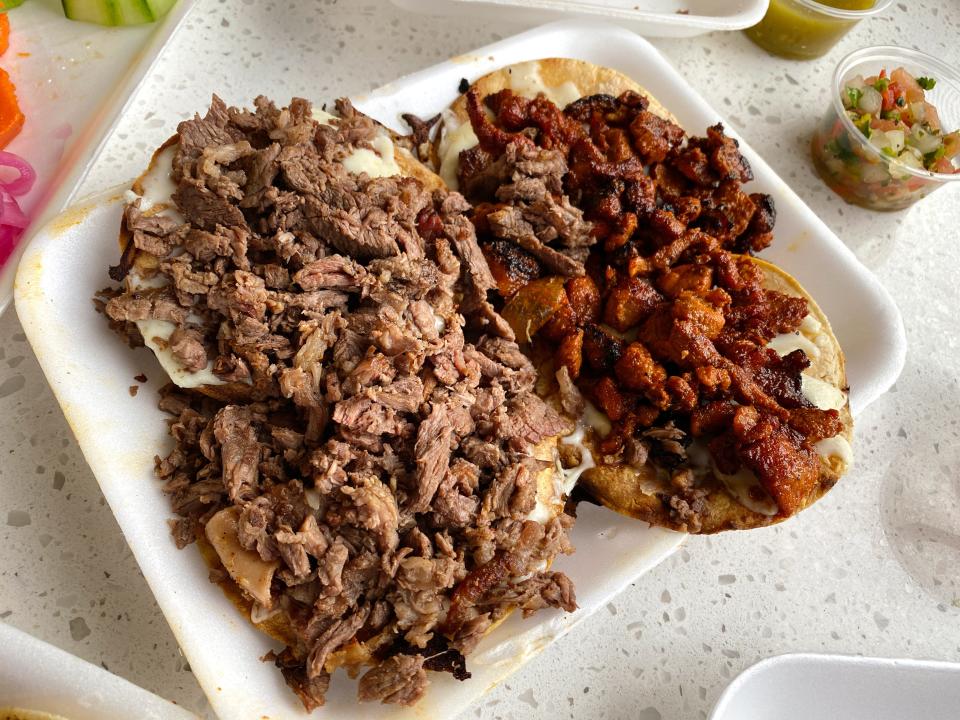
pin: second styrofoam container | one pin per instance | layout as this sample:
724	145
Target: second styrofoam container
657	18
42	678
837	687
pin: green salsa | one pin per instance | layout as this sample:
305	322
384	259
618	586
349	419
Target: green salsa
848	4
793	30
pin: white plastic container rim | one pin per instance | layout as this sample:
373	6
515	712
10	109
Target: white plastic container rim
808	686
672	19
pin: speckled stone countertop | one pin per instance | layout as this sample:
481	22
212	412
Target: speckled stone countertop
874	569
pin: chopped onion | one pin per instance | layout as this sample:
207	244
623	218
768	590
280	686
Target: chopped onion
923	140
22	184
918	111
895	140
874	173
871	101
878	138
911	160
855	82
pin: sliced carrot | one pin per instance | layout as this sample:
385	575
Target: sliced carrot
4	33
11	118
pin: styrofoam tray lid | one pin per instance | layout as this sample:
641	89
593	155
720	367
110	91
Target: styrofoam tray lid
40	677
827	687
655	18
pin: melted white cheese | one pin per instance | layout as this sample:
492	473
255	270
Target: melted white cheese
379	162
788	342
810	325
822	394
595	419
565	479
524	80
837	447
156	333
157	186
571	475
455	140
322	116
746	488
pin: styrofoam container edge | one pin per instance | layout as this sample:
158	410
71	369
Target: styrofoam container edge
670	18
35	675
807	686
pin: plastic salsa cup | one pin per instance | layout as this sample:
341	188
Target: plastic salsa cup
805	29
857	170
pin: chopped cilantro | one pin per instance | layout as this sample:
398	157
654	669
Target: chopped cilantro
854	95
931	157
841	150
881	84
863	125
890	115
926	83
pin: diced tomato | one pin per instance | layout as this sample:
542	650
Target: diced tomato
893	97
951	144
887	96
930	116
881	124
944	166
912	91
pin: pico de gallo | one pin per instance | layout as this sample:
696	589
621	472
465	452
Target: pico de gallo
896	128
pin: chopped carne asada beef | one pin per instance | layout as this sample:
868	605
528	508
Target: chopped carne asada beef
353	467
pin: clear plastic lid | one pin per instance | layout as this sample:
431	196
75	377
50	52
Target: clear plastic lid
654	18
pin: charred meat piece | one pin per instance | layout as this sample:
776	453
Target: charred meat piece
511	266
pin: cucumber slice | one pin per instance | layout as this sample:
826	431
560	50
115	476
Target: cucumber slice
102	13
133	12
160	7
116	12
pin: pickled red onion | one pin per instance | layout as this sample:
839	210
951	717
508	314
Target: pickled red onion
22	184
13	221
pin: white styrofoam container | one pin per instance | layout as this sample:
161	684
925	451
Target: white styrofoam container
835	687
654	18
90	371
73	80
40	677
